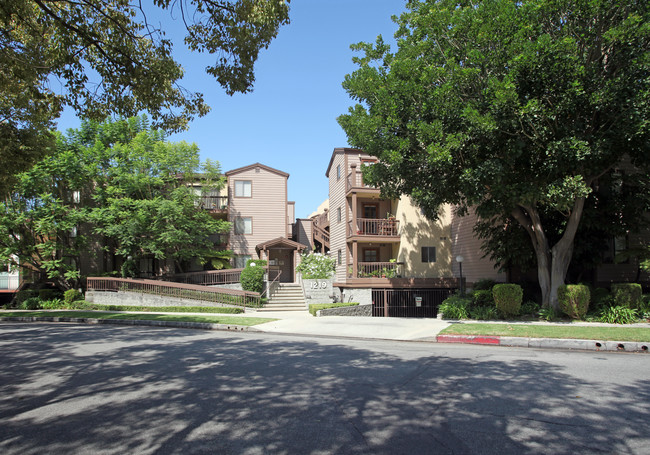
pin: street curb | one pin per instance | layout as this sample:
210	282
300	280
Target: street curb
139	322
547	343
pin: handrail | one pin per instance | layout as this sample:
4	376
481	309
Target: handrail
177	290
207	277
271	284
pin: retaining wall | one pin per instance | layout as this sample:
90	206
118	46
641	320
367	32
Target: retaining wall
122	298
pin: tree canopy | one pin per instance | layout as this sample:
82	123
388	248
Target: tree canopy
514	108
113	187
104	57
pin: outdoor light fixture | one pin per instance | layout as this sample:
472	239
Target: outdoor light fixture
460	259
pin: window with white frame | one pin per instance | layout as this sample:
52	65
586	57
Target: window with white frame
243	188
243	225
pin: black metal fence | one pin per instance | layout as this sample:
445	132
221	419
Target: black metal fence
408	303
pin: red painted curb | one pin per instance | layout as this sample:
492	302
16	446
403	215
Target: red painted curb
468	339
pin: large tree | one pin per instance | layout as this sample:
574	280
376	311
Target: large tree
514	108
117	186
105	57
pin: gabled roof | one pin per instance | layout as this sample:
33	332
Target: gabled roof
341	150
280	242
257	165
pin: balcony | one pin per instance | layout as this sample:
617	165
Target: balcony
214	203
355	183
9	282
374	227
379	269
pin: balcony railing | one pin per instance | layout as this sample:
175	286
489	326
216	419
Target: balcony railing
373	226
214	202
379	269
355	180
207	277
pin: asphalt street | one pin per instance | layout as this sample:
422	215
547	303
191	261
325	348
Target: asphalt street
68	388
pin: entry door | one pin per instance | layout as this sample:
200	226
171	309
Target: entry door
283	260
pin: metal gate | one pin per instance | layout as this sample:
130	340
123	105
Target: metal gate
408	303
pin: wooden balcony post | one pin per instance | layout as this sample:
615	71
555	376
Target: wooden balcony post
353	173
355	260
355	228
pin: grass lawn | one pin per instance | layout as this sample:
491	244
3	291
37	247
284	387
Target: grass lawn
550	331
233	320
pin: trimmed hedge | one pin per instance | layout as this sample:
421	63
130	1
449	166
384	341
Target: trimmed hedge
507	298
627	295
252	277
574	300
314	307
482	298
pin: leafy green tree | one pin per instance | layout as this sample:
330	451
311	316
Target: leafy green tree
118	185
104	57
514	108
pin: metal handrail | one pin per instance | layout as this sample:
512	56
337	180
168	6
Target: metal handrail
273	283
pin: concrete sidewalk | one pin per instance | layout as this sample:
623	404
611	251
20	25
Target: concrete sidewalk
303	323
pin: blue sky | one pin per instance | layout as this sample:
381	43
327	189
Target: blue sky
289	121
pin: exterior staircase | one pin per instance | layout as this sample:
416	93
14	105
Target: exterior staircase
287	297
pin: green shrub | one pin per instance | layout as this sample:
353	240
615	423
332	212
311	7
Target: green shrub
627	295
31	303
316	266
484	284
574	300
547	313
49	294
72	295
455	307
482	299
314	307
252	277
529	307
53	304
507	298
618	315
483	313
21	296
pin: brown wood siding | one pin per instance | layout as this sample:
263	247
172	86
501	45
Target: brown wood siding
267	207
337	200
465	243
304	232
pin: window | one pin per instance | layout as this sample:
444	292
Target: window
76	197
338	214
243	188
243	225
428	254
616	246
241	260
338	172
370	255
339	257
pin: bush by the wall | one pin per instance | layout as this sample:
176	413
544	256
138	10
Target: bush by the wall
507	298
574	300
252	277
483	313
314	307
627	294
618	315
484	284
31	303
49	294
316	266
53	304
21	296
72	295
482	299
455	307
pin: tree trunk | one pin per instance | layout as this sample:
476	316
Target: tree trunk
552	263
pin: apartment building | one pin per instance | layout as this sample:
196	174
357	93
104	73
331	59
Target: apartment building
262	220
388	244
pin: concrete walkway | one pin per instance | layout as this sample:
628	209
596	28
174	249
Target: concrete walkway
303	323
